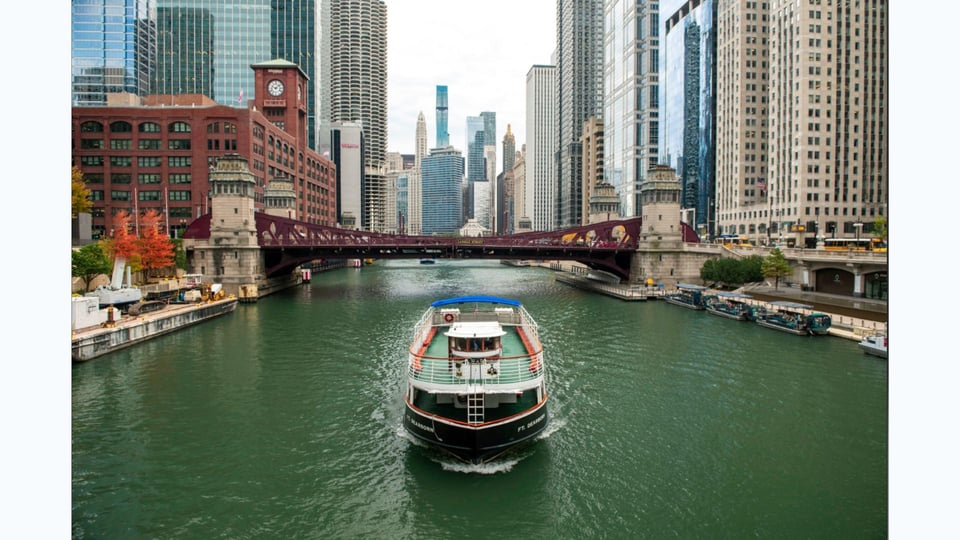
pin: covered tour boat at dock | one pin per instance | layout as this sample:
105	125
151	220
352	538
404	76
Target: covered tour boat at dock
791	317
730	305
688	296
475	378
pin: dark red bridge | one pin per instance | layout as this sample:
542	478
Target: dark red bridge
287	243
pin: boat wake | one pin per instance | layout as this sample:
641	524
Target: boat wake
501	465
555	425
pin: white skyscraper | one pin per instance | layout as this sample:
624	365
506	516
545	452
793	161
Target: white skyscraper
541	177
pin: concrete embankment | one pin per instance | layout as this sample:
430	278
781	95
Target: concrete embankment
96	341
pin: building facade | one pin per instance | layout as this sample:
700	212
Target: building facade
687	106
631	96
541	176
346	151
579	96
811	159
157	153
357	91
442	191
505	197
113	46
591	141
518	208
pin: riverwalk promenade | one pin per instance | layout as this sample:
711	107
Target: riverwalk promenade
852	318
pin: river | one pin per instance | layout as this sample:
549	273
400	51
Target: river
282	420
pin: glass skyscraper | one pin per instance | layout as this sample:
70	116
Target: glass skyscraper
113	48
240	34
443	136
441	191
687	107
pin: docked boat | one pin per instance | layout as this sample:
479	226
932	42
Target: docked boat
428	260
792	317
476	383
875	345
730	305
687	295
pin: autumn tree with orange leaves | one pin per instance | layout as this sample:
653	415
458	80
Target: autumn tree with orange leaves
155	249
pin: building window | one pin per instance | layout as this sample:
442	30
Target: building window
120	144
121	161
91	161
148	178
178	144
93	178
149	127
213	144
180	212
177	195
91	144
120	178
213	128
178	161
148	161
149	144
91	127
121	127
96	195
179	178
148	196
179	127
119	195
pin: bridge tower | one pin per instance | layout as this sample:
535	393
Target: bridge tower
232	255
660	256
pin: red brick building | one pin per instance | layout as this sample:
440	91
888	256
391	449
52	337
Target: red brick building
156	152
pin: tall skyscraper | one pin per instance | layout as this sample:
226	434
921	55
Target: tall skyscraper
541	177
476	164
113	48
592	143
420	149
687	108
441	179
504	199
240	35
295	31
443	136
631	97
357	91
579	95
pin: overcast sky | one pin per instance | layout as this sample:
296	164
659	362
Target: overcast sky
481	51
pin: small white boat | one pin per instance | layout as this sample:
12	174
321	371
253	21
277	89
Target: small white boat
875	345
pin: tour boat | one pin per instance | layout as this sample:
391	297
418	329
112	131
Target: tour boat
875	345
427	260
790	317
688	296
476	383
730	305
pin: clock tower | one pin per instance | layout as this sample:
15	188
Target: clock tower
282	96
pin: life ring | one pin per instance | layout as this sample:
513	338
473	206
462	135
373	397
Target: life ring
448	317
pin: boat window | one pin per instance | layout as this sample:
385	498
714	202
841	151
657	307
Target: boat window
460	344
475	344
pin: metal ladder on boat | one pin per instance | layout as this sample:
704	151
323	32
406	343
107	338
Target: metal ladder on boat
475	408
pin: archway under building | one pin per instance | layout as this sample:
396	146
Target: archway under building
834	281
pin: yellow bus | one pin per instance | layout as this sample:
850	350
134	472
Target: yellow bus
730	241
853	244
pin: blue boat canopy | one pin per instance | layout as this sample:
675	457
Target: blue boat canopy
727	294
691	287
476	299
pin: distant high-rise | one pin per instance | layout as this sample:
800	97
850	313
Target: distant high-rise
113	48
631	97
505	184
592	143
541	178
421	141
443	136
441	188
687	108
295	29
357	91
187	49
579	94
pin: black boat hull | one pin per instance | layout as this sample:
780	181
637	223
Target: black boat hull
475	444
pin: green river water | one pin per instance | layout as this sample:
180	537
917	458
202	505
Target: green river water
282	420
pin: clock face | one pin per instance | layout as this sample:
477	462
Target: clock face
275	87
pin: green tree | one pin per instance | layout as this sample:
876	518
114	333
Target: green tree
776	266
89	262
79	194
733	271
880	227
179	255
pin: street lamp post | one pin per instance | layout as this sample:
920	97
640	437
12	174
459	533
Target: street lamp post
858	225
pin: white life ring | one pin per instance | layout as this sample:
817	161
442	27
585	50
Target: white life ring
448	317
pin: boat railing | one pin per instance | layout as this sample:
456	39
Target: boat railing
502	374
